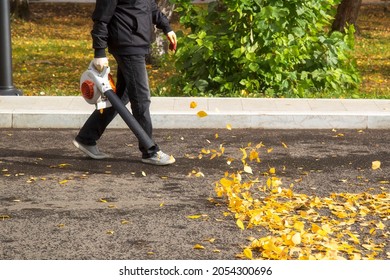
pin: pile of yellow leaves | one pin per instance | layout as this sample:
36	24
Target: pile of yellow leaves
300	226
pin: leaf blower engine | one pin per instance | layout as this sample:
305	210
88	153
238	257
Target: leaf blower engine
98	88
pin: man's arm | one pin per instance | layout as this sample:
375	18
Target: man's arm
159	19
104	10
162	22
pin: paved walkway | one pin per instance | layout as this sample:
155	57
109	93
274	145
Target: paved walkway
267	113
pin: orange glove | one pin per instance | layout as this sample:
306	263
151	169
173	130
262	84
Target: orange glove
172	40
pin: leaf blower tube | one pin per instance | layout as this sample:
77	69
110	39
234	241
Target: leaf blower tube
98	88
129	119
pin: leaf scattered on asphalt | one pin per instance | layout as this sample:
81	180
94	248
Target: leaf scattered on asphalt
301	226
376	164
199	247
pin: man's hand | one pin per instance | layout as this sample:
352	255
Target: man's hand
172	40
100	62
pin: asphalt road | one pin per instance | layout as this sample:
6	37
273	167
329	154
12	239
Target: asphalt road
57	204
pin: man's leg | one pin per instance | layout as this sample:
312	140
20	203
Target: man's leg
96	124
134	72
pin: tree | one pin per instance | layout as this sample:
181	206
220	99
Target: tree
272	48
20	9
160	46
347	13
167	9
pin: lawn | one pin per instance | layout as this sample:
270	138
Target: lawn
52	50
373	52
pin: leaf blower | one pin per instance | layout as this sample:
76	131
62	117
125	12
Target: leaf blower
98	88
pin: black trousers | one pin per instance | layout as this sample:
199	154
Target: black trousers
132	85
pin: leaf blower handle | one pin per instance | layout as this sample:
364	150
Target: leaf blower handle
99	63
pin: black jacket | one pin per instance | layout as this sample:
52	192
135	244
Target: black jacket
126	26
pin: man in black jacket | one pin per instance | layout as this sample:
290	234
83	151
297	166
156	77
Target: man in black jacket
125	27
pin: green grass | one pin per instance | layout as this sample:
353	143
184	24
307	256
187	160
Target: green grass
372	52
51	51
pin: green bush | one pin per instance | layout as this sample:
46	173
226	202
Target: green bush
271	48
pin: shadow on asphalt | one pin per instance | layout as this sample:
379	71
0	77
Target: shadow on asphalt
57	204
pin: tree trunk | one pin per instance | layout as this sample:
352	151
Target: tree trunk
20	9
347	13
161	45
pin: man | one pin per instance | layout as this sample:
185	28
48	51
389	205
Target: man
125	27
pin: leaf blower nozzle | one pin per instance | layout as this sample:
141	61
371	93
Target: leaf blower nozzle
98	88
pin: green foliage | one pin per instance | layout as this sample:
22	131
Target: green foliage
273	48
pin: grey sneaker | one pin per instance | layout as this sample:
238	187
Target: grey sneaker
159	158
91	151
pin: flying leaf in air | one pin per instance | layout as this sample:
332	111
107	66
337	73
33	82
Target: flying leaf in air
202	114
193	105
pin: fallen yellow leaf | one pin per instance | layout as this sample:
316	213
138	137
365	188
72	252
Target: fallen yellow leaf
299	226
380	225
240	224
254	155
248	169
376	164
296	238
248	253
63	165
194	217
198	246
4	217
384	182
211	240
